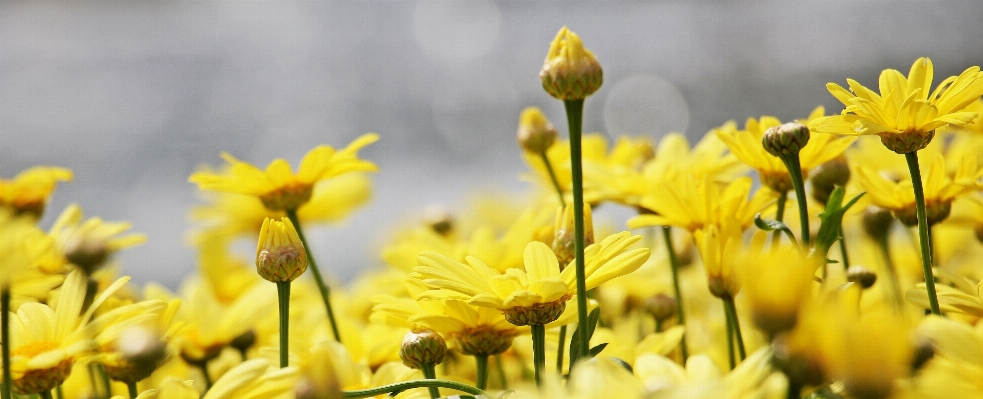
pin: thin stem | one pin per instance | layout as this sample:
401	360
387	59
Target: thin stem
321	286
203	366
481	364
556	183
283	294
843	252
45	394
402	386
730	338
779	217
5	327
431	374
575	110
732	310
100	381
132	387
674	265
884	246
923	237
501	372
795	172
560	349
658	324
538	350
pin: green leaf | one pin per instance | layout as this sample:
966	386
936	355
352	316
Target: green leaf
592	320
831	222
772	225
597	349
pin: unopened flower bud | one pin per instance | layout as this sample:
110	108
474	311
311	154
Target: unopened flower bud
877	222
280	255
535	134
439	219
142	352
825	178
785	140
422	347
861	275
570	71
565	234
661	306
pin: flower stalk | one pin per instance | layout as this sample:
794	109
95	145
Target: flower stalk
395	388
430	373
674	266
538	350
923	234
322	287
481	377
735	326
574	110
283	295
779	216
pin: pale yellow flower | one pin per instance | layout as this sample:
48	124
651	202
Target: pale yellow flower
29	191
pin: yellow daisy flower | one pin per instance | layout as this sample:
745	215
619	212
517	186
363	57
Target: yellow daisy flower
46	341
536	294
957	294
255	379
170	389
906	112
746	145
29	191
90	243
627	184
278	187
239	215
692	203
940	189
25	249
961	347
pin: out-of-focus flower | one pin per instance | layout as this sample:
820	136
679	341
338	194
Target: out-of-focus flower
278	187
776	284
694	203
957	294
28	192
747	146
26	249
535	133
570	71
89	244
255	379
536	294
170	389
906	112
940	189
45	341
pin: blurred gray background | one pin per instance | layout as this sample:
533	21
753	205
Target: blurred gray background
134	95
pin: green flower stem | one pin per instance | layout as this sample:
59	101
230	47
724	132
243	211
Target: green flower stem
538	350
430	373
884	246
736	325
923	237
481	364
730	338
321	286
283	294
203	366
658	324
45	394
795	172
779	217
575	111
5	327
843	252
674	265
100	381
132	387
556	183
560	349
402	386
501	372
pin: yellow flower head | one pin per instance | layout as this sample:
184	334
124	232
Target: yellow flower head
940	189
906	112
25	250
254	379
171	388
540	284
30	190
746	145
570	71
278	187
280	255
90	243
45	341
719	246
693	202
776	284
